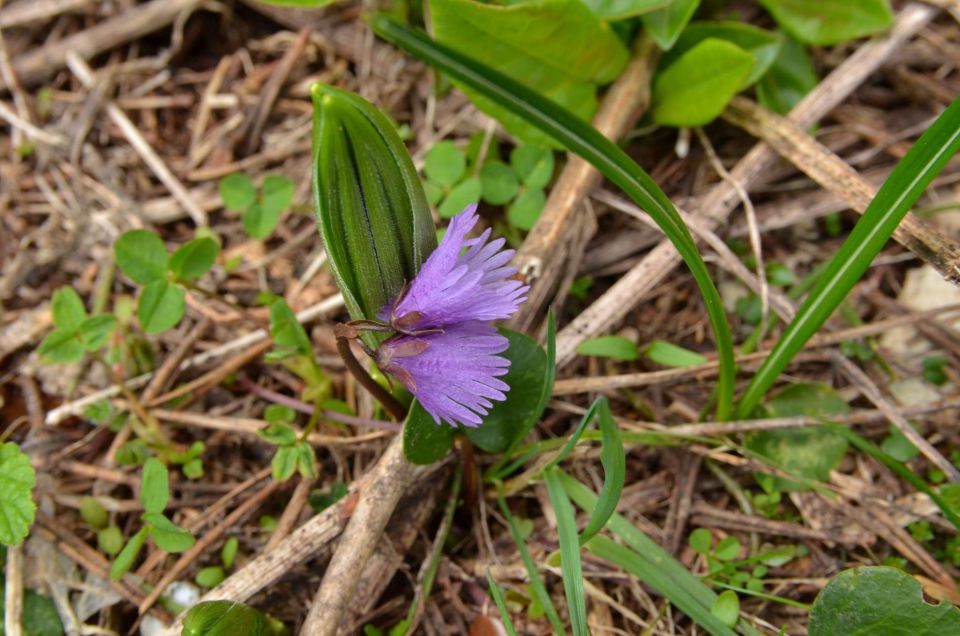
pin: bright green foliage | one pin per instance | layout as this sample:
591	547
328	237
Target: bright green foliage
237	191
898	446
17	479
67	309
93	513
611	10
124	561
727	608
445	164
670	355
556	47
74	332
161	306
261	210
194	259
110	540
790	78
142	256
665	25
210	576
810	452
166	535
533	164
228	553
289	336
826	22
615	347
460	196
525	210
499	183
879	601
698	85
228	618
154	486
763	45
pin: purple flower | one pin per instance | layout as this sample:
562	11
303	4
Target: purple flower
446	348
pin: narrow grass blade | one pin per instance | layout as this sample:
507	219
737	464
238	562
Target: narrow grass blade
536	583
614	460
577	433
570	563
497	595
584	140
901	190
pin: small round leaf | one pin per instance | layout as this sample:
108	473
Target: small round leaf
460	197
141	255
500	183
194	259
161	306
237	191
445	163
276	194
524	212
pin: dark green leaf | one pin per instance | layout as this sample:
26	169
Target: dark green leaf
445	163
425	441
616	347
876	601
763	45
670	355
525	210
96	330
665	25
67	309
17	479
124	561
499	183
933	370
61	346
166	535
39	616
373	216
790	78
194	259
826	22
465	193
698	85
524	41
237	191
161	306
154	486
141	255
276	194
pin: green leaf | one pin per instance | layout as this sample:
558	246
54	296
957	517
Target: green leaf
194	259
373	216
526	376
124	561
525	210
96	330
93	513
700	541
229	618
67	309
276	194
616	347
237	191
698	85
670	355
306	460
17	479
612	10
289	336
445	163
501	604
321	500
727	608
433	192
154	486
110	540
166	535
499	183
875	601
665	25
933	370
464	194
728	549
278	434
228	553
898	446
39	616
193	469
790	78
592	146
827	22
61	346
613	458
210	576
570	564
279	413
533	164
524	41
141	255
763	45
285	463
259	222
161	306
425	441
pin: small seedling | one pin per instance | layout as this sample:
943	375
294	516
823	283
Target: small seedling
261	209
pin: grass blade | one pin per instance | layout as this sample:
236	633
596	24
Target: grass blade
613	458
585	141
901	190
497	595
569	554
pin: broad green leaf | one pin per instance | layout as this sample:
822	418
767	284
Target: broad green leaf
810	452
445	163
570	563
790	78
39	616
237	191
465	193
276	194
616	347
533	164
166	535
763	45
727	608
141	255
525	210
525	377
727	549
670	355
161	306
901	190
698	85
259	221
612	10
194	259
96	330
124	561
154	486
210	576
285	462
898	446
556	47
499	183
879	601
665	25
61	346
229	618
278	434
17	479
373	216
827	22
425	441
67	309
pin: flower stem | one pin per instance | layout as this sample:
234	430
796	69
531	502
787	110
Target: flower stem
383	396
